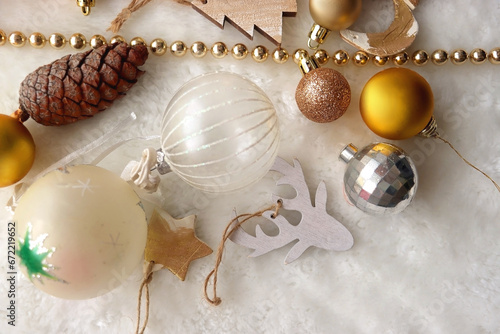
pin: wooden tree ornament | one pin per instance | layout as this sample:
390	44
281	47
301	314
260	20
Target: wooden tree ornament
263	15
316	228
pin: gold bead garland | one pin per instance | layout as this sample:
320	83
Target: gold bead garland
259	53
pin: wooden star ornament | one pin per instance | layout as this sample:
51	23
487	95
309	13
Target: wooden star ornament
263	15
172	243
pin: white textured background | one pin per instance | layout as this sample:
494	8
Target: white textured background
435	268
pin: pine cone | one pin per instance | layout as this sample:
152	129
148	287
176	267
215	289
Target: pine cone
79	86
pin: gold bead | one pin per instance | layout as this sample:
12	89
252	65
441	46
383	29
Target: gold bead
198	49
158	47
239	51
494	56
478	56
321	57
17	39
137	41
400	59
3	37
37	40
299	54
260	53
439	57
178	48
340	58
57	41
97	41
420	57
116	39
361	58
380	61
77	41
219	50
280	56
459	57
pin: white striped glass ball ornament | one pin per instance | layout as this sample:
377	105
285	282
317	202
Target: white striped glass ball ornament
220	132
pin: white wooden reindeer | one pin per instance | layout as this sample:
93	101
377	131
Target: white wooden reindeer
316	228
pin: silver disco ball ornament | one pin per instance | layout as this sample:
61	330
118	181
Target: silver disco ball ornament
380	178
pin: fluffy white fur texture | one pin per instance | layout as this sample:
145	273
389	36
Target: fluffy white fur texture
435	268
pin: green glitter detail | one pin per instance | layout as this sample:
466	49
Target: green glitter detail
33	255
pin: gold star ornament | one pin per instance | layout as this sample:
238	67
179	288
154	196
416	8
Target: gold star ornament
172	243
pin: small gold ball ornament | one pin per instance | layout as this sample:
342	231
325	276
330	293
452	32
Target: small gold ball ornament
37	40
3	38
478	56
335	14
340	58
400	59
494	56
397	103
321	57
17	39
459	57
97	41
380	60
280	56
439	57
137	41
420	57
361	58
198	49
219	50
57	41
158	47
116	39
260	54
17	150
77	41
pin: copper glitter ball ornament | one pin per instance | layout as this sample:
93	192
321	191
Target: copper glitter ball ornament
323	94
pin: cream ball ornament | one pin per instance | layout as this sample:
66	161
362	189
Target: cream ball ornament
78	228
220	132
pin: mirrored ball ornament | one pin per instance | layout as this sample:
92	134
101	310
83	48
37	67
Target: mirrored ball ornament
220	132
380	178
81	232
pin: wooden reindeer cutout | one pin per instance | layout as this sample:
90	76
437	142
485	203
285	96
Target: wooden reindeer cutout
316	228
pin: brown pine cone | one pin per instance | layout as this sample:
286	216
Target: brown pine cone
79	86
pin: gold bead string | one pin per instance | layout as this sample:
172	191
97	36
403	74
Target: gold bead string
259	53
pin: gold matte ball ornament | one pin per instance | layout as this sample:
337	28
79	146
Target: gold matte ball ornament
17	150
397	103
335	14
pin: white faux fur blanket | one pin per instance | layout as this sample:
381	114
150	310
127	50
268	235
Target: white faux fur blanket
434	268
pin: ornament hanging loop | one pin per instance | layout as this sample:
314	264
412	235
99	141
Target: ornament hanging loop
233	225
85	5
431	131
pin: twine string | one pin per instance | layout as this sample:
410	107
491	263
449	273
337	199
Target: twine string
148	276
133	6
228	231
467	161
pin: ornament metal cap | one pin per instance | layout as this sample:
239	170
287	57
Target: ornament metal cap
348	153
317	34
161	164
85	4
307	64
430	129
